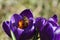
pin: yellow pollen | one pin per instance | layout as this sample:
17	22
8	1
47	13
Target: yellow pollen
23	23
20	24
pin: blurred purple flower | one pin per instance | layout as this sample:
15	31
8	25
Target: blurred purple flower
48	29
22	25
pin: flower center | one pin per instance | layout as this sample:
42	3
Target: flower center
23	23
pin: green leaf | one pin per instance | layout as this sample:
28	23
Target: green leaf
13	36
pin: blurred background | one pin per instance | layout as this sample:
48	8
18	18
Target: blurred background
39	8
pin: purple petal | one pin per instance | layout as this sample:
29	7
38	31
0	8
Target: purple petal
15	19
47	33
27	34
29	31
30	23
57	37
26	13
18	33
6	27
54	18
53	25
40	23
22	34
57	34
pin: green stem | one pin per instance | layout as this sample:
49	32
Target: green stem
12	34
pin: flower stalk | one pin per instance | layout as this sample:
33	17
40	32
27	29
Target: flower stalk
12	35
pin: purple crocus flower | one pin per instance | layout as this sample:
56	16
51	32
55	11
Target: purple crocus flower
21	24
53	22
48	29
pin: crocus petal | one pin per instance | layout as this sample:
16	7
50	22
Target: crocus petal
27	34
57	34
54	18
6	27
18	33
24	33
57	37
29	31
30	23
26	13
47	33
15	19
40	23
53	25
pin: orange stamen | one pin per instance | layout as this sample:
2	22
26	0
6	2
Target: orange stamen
23	23
20	24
